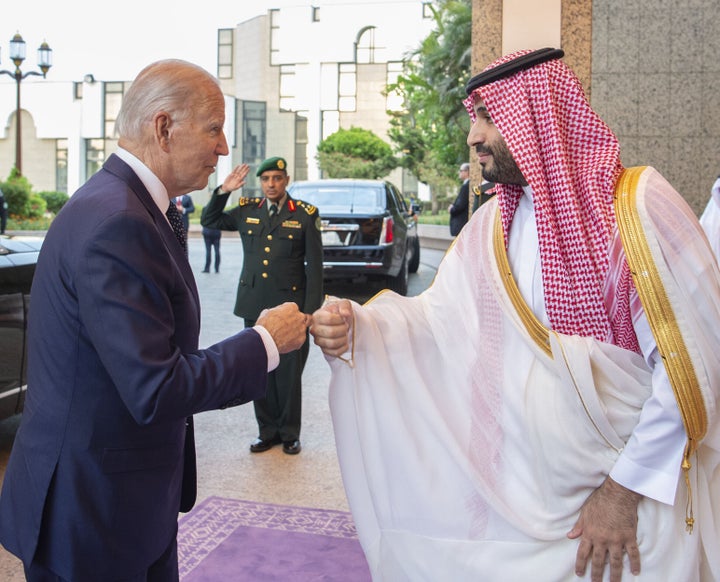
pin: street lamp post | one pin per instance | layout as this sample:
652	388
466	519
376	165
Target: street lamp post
17	56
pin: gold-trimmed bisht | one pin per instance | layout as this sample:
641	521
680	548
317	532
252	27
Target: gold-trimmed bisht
663	323
658	310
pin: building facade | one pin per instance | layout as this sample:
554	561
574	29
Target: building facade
291	77
295	75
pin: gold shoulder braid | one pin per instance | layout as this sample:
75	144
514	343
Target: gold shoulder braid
663	323
309	208
538	332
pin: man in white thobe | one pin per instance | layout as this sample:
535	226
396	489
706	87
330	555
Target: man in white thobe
546	410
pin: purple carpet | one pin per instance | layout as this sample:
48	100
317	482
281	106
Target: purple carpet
229	540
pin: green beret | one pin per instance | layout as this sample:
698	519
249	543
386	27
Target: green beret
275	163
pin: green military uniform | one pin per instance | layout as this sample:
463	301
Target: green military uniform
282	262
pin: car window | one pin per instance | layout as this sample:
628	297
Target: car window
395	199
340	199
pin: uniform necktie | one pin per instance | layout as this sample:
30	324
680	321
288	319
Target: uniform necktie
273	211
177	225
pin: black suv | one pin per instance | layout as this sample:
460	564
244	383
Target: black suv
17	267
368	232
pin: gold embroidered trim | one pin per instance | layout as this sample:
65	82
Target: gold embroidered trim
664	326
537	331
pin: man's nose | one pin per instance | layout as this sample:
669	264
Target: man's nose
475	135
223	148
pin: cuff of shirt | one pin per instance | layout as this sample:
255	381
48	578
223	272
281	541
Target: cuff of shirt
646	481
273	356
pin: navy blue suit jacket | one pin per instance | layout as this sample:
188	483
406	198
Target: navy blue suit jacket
459	212
104	457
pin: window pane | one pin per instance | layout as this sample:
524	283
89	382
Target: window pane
94	156
225	36
61	162
225	55
346	104
253	142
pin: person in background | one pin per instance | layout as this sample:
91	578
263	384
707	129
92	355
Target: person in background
710	218
104	458
185	207
282	249
3	212
573	432
459	209
212	237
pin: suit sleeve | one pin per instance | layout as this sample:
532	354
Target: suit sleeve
214	215
143	321
460	206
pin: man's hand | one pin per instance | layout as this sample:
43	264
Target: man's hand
287	325
607	527
236	178
331	326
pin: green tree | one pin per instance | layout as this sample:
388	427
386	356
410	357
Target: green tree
355	153
431	133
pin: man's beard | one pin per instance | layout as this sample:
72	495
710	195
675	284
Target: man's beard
503	169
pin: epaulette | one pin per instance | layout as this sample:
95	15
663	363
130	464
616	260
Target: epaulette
244	201
309	208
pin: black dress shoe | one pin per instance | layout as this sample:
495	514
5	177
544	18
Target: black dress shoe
291	447
260	445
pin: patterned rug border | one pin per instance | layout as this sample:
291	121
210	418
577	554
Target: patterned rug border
214	519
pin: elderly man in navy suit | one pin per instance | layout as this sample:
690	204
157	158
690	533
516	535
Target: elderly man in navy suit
104	458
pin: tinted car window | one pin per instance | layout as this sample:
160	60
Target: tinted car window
341	198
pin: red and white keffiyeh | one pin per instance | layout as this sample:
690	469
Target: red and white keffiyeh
571	160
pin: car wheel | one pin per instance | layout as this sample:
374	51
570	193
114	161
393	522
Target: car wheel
399	284
415	260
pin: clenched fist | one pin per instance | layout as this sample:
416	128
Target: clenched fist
331	325
287	325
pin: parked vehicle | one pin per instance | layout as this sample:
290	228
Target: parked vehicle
18	258
367	229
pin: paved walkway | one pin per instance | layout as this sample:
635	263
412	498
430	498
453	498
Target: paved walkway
225	466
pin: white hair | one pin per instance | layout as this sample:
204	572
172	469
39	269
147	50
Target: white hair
171	85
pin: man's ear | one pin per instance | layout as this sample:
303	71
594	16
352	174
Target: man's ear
162	123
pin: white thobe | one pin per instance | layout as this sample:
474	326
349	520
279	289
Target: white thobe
467	450
710	218
650	462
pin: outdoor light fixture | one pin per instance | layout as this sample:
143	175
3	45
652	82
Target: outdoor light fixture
17	56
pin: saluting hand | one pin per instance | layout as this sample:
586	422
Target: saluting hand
236	178
287	325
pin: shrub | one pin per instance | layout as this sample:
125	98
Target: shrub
42	223
54	200
36	206
17	195
355	153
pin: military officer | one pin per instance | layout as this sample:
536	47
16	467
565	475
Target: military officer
282	249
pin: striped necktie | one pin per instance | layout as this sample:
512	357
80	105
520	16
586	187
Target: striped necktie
177	225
